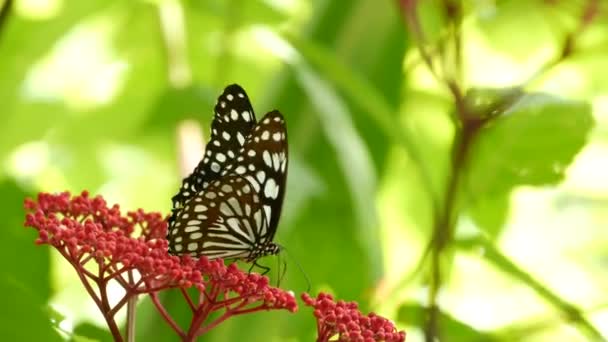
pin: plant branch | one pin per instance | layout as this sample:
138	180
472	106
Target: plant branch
590	13
163	312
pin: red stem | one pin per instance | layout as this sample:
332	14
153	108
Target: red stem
188	299
229	313
163	312
100	302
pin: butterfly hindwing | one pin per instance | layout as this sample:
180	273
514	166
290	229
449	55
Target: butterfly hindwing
224	221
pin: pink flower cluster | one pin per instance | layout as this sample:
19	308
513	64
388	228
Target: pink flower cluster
103	246
342	321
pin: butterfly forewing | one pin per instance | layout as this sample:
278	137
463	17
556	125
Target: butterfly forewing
235	211
232	122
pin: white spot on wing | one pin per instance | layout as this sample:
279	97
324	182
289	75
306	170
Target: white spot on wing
240	170
215	167
275	161
240	138
261	175
271	189
265	135
267	158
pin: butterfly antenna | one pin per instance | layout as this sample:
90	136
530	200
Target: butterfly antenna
308	283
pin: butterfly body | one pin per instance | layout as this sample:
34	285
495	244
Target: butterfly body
230	206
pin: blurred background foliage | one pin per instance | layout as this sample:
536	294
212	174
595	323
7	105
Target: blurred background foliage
115	97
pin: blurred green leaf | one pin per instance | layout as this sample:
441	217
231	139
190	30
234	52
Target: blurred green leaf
24	283
87	332
173	105
503	16
20	241
532	143
490	213
569	311
362	94
23	316
458	331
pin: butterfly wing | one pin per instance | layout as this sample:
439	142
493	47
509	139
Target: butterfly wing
237	215
263	162
224	221
232	123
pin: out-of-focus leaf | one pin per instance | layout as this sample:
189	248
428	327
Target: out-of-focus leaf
351	153
23	317
490	213
501	17
452	329
87	332
20	241
24	281
243	12
531	144
362	94
569	311
173	105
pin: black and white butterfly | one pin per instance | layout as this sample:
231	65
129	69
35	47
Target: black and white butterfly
229	207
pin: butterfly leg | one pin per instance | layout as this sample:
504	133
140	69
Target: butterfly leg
255	263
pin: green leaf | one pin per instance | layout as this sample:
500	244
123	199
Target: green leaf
24	282
504	28
23	314
362	94
458	331
491	213
87	332
569	311
531	144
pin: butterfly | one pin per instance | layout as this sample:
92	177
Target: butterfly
229	207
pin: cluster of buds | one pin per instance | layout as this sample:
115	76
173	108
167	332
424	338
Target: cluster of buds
342	321
105	246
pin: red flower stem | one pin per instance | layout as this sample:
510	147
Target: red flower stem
106	309
101	303
202	313
229	313
128	295
165	314
88	273
84	260
188	299
83	279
